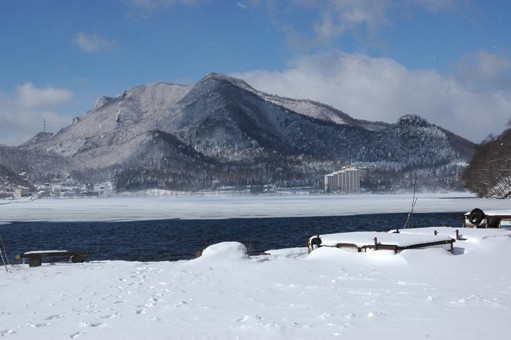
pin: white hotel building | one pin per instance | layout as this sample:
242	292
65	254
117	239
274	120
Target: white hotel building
346	180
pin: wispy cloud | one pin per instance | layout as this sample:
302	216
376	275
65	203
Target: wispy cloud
151	5
330	20
22	113
381	89
92	43
341	16
241	5
482	70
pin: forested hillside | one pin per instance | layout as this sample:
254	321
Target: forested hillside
489	172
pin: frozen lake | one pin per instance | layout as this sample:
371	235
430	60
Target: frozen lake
249	206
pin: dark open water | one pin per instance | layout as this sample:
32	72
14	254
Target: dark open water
181	239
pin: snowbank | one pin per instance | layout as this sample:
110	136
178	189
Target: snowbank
225	252
415	294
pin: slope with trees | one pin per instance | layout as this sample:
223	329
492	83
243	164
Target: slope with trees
489	172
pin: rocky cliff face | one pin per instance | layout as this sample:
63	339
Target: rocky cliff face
222	132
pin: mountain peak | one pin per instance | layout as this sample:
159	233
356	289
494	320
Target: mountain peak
221	78
413	120
217	76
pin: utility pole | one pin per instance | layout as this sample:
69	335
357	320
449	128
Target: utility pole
44	125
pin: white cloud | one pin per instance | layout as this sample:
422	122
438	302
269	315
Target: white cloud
22	113
93	43
380	89
485	71
33	98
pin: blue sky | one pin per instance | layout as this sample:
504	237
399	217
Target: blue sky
446	60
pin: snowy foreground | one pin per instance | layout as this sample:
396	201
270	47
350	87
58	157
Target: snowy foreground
225	294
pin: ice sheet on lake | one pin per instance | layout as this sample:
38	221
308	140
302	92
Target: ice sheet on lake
218	207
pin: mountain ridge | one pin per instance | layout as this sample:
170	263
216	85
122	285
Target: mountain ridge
221	131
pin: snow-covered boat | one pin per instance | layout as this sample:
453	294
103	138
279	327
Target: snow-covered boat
395	241
478	218
411	238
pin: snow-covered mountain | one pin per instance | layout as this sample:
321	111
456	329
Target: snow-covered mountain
222	132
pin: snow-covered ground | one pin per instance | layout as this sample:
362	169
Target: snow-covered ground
224	294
